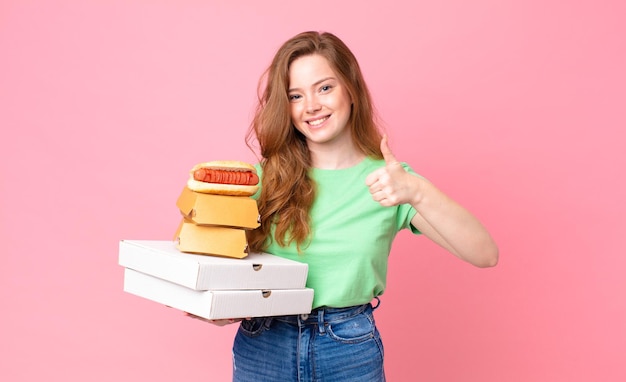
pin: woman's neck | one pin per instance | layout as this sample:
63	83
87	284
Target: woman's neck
335	159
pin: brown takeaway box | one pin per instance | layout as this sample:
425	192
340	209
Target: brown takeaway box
211	240
218	210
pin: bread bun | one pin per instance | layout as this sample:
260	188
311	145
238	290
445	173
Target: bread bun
222	188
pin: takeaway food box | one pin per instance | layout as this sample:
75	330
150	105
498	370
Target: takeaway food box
203	272
219	304
215	224
214	287
218	210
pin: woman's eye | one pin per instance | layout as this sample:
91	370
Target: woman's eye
325	88
294	97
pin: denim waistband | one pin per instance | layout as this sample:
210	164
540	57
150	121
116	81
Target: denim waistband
325	315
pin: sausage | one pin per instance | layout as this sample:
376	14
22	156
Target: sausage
209	175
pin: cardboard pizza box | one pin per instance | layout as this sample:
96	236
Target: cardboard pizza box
201	272
219	304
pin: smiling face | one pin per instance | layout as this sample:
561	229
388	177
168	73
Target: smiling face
320	103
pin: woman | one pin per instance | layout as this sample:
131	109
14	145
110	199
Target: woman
334	196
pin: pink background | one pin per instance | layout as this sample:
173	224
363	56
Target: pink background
514	108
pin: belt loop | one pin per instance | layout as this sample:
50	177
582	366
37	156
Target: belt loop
301	319
377	304
320	321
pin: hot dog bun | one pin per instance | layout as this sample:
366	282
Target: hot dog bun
222	188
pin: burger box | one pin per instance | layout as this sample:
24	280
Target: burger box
161	259
218	210
211	240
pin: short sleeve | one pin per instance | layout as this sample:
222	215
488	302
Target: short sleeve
406	212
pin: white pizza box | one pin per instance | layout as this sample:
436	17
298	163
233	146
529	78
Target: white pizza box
161	258
219	304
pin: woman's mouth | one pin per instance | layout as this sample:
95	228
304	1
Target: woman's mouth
317	122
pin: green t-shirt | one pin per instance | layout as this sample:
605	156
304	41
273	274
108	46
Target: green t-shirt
352	237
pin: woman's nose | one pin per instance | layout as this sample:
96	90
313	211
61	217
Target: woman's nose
313	105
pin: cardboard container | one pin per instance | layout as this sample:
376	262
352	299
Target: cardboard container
218	210
211	240
219	304
200	272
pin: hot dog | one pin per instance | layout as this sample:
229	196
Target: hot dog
224	177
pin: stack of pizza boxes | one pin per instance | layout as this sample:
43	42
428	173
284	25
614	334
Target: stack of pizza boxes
207	269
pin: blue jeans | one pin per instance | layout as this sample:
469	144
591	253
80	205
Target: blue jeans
328	345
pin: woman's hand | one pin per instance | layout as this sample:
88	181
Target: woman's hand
392	185
221	322
438	217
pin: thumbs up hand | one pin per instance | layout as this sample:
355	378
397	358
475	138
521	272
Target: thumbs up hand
392	185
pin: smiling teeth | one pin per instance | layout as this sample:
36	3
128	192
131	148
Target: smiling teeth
318	121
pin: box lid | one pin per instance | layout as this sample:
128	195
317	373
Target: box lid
202	272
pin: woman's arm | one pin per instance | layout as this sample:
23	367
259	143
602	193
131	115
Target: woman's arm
438	217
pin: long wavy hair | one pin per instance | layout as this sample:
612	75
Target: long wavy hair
287	191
